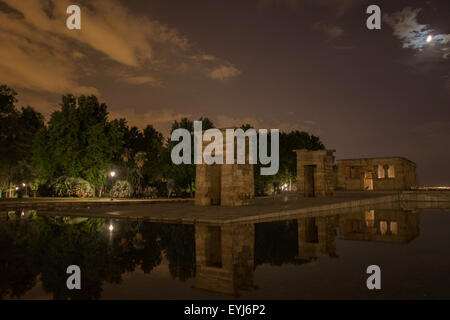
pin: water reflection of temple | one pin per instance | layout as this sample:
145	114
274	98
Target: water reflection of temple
396	226
316	237
227	255
224	257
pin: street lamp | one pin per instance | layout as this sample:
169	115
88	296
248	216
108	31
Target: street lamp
112	174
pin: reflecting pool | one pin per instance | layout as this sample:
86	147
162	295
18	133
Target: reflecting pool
313	257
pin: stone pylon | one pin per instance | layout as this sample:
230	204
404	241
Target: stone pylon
315	175
225	184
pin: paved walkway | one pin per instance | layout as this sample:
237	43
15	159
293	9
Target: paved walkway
282	207
80	203
267	208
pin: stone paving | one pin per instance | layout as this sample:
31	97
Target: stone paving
264	208
80	203
281	207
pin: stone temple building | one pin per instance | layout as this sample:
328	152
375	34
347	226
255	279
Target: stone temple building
318	176
395	173
315	176
225	184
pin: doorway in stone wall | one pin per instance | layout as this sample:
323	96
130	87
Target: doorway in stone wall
311	231
309	180
213	247
368	180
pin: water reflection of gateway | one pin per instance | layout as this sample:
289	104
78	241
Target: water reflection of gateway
224	257
316	237
227	255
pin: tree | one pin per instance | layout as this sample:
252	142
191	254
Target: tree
141	156
184	174
288	160
206	123
153	146
79	141
17	130
287	172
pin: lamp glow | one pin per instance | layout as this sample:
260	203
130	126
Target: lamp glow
429	38
112	173
111	228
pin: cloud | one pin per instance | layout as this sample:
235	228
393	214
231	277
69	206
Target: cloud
33	61
161	121
223	72
333	31
443	40
413	34
39	53
142	80
45	105
407	29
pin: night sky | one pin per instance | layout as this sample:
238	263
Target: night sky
306	64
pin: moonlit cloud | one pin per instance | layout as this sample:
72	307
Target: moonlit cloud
413	34
407	29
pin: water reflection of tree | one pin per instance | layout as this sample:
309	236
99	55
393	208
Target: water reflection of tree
276	242
47	246
178	242
56	246
136	244
17	274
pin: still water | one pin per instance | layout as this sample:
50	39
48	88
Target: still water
323	257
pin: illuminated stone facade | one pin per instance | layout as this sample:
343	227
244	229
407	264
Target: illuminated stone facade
394	173
224	184
315	176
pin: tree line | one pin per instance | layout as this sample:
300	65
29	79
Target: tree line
77	149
